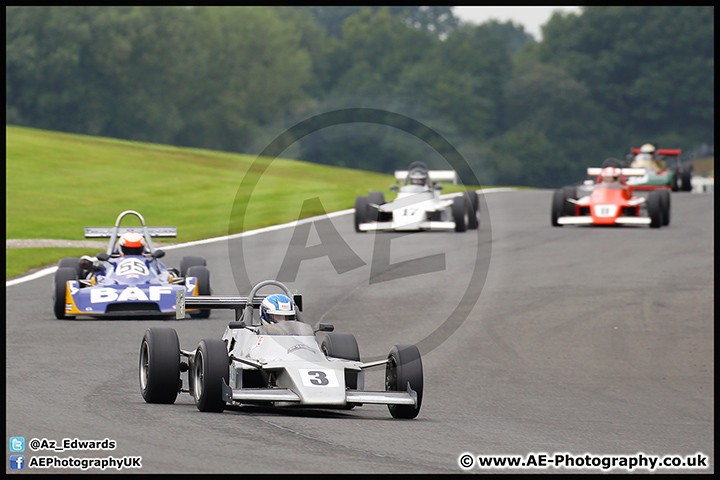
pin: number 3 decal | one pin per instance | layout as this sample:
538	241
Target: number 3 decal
319	378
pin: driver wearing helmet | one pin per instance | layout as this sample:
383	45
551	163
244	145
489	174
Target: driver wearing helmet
647	158
610	177
277	308
418	177
132	243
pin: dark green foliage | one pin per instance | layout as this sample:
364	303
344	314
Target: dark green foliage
233	78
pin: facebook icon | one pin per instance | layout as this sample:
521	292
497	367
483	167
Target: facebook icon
17	462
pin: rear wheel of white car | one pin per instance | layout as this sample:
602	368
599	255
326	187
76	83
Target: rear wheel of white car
665	205
378	198
654	207
62	275
361	208
458	211
343	345
190	261
210	369
202	274
404	367
160	365
471	200
558	207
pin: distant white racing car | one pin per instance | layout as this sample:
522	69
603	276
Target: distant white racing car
418	205
275	361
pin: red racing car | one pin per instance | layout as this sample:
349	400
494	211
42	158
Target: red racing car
610	201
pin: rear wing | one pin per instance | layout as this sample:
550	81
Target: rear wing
113	233
661	151
237	303
435	175
154	232
628	172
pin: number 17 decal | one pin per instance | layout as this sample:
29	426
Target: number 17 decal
319	378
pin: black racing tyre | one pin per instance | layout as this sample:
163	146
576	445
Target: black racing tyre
203	283
378	198
361	208
458	212
569	208
675	186
343	345
71	262
62	275
404	367
655	209
210	369
159	366
665	205
471	199
558	207
188	262
686	178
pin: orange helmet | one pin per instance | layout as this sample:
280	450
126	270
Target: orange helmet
132	243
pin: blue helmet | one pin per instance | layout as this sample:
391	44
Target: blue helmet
277	308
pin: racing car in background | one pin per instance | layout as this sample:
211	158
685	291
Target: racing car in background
113	284
273	362
663	169
418	205
610	200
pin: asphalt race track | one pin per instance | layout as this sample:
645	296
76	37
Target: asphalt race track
583	341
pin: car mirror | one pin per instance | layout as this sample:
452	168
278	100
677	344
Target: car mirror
325	327
236	325
103	256
158	254
437	187
394	188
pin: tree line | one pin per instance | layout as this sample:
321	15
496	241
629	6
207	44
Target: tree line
520	111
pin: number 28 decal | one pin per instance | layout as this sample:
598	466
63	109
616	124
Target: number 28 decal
319	378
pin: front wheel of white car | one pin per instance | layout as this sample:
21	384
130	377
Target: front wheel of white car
403	369
473	209
361	207
458	211
160	365
210	369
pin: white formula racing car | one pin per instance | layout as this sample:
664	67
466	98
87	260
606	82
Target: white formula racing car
418	205
276	364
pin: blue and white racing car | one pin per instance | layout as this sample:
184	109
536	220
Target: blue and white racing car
128	279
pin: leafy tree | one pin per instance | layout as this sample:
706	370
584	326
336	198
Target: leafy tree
653	67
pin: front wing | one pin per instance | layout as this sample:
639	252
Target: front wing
588	220
287	396
392	225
